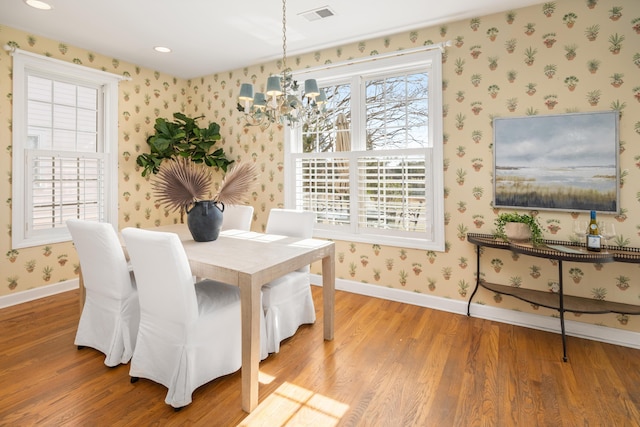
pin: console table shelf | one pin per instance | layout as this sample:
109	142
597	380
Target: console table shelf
559	251
572	304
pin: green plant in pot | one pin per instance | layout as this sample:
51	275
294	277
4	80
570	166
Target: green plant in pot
183	138
510	225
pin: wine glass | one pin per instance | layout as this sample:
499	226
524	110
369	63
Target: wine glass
607	230
580	229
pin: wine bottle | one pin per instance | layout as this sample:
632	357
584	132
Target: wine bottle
594	240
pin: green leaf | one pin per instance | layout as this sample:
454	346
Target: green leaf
182	138
160	144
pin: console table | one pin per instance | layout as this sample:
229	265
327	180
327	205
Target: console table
559	251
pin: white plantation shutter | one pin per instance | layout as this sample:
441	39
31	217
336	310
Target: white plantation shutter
322	186
392	193
65	131
64	186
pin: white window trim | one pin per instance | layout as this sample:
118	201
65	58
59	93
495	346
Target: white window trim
24	62
430	57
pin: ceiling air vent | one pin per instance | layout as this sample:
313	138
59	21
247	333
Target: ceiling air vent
320	13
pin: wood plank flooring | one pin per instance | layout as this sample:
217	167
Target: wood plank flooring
390	364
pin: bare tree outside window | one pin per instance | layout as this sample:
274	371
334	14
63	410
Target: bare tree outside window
397	112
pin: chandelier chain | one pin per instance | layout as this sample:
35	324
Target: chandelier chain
284	45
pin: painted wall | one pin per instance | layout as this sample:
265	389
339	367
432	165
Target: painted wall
508	64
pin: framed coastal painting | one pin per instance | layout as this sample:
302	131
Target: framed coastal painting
563	162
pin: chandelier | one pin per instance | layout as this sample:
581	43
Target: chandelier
281	102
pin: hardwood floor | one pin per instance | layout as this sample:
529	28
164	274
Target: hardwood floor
390	364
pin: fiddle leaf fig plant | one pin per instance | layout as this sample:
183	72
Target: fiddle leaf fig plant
530	220
183	138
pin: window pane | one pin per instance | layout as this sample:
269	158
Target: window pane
338	101
318	138
321	137
64	140
38	139
65	187
392	192
39	114
395	89
417	137
322	186
87	98
417	85
64	117
39	89
374	91
64	93
417	110
87	120
86	142
396	112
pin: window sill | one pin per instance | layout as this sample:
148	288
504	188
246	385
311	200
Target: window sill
382	240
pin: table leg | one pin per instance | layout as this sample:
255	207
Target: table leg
250	307
328	293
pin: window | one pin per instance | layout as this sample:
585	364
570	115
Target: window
64	141
372	171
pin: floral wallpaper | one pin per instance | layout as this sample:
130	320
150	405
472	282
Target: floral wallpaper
550	58
143	98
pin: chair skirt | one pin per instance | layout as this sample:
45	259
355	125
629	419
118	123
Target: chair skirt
109	326
288	303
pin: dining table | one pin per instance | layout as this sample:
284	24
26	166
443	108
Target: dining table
249	260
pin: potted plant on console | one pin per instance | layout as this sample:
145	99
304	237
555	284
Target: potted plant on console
513	226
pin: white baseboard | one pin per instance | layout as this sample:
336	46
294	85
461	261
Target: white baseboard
529	320
36	293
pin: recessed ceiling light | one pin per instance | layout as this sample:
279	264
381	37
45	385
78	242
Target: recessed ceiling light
38	4
162	49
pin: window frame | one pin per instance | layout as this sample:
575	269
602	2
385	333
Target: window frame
429	59
25	64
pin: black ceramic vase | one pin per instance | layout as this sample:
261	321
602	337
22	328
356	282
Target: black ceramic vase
205	220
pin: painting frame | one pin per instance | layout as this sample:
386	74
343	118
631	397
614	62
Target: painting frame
558	162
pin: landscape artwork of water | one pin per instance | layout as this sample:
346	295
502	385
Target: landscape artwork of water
566	162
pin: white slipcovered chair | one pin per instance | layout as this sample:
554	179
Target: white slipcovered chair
189	333
287	301
237	217
110	315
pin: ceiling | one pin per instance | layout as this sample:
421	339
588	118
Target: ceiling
208	36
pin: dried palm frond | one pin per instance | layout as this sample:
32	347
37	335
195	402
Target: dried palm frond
179	183
237	183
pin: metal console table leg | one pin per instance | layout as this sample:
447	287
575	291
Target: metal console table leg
561	309
477	280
